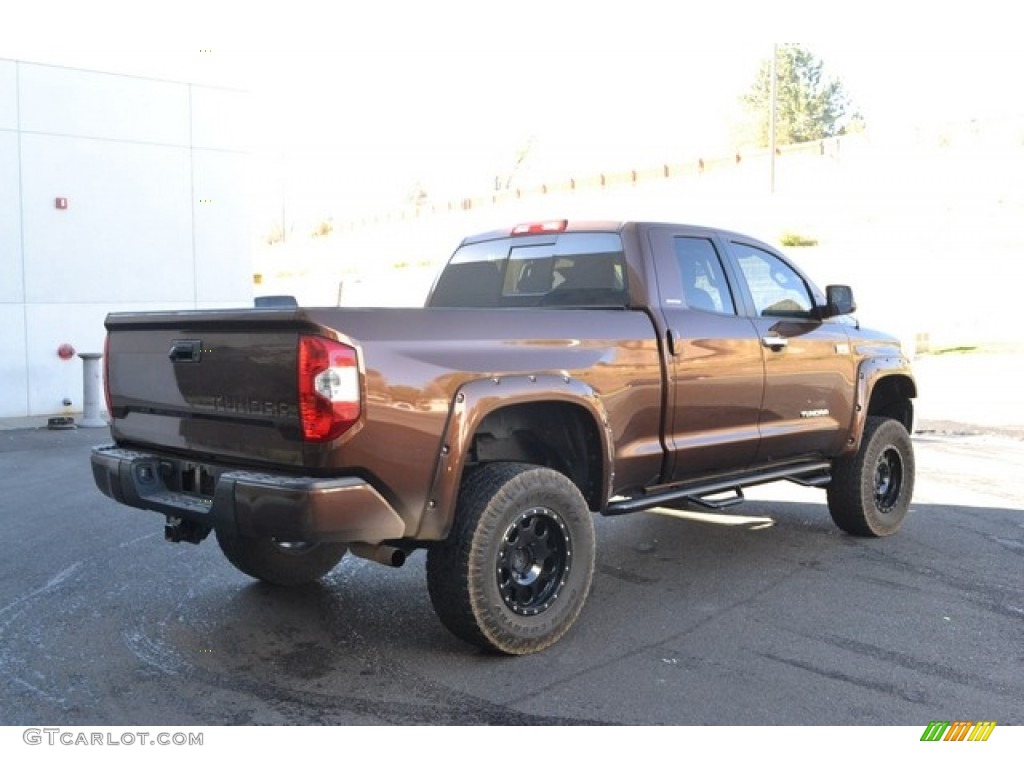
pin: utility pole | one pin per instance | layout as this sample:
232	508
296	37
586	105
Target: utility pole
774	77
284	196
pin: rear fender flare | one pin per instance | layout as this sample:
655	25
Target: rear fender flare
472	403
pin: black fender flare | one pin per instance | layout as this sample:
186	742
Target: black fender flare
477	399
870	372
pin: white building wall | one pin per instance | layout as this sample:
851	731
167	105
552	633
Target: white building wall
156	181
8	95
221	229
11	274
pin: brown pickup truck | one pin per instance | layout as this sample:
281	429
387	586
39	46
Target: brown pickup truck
559	369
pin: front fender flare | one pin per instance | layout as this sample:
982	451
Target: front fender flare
869	373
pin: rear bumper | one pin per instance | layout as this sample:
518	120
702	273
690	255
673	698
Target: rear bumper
246	503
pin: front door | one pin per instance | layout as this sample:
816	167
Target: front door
809	369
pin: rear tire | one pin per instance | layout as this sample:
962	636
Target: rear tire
516	568
284	563
870	491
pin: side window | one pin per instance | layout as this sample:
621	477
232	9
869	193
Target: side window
777	290
704	283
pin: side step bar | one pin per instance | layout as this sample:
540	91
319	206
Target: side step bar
814	474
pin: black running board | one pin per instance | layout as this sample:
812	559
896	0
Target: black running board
814	474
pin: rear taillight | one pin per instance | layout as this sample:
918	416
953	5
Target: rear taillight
329	398
106	375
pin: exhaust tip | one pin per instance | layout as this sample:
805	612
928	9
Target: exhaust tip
397	558
379	553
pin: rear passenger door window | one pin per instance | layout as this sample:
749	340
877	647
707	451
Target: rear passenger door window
703	279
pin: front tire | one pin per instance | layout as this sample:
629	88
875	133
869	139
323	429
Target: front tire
516	568
870	491
284	563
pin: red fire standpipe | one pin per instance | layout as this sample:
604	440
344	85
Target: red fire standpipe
92	390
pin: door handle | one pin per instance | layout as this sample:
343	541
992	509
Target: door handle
774	342
675	346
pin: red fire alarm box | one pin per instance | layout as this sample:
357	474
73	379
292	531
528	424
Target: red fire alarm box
62	203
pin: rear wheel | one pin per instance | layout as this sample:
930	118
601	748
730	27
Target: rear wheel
285	563
870	491
515	570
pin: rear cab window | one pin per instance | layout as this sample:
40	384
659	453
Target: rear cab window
571	269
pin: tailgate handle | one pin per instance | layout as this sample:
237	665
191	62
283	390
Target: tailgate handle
185	350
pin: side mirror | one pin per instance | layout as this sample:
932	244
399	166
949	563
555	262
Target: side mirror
838	301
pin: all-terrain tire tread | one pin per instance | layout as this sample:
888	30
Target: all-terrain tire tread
850	494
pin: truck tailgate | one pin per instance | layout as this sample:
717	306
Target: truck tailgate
220	383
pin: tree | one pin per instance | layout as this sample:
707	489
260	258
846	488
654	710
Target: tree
809	106
522	154
418	195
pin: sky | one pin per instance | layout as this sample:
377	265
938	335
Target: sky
357	104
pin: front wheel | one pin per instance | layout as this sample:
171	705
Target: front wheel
284	563
870	491
516	568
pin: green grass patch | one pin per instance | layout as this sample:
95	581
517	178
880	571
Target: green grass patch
797	239
980	348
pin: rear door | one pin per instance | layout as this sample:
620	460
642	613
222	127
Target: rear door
715	365
809	368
